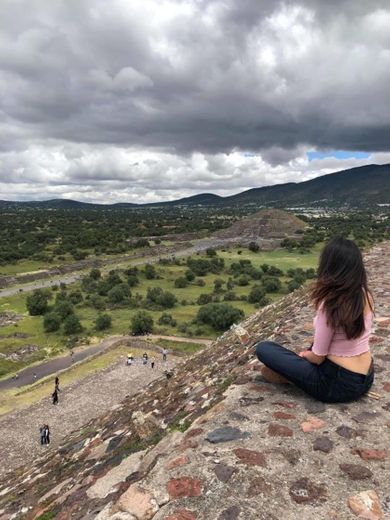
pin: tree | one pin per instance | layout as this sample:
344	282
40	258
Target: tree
132	280
181	282
64	309
37	302
142	323
253	247
76	297
256	294
166	319
150	272
51	322
271	284
160	298
203	299
95	274
97	302
211	252
189	275
219	315
218	285
72	325
119	293
103	322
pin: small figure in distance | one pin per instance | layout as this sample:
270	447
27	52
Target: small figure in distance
42	434
57	384
34	377
145	358
129	360
47	434
164	354
338	367
54	396
152	363
168	374
72	356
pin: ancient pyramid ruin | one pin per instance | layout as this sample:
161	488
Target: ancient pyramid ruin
216	442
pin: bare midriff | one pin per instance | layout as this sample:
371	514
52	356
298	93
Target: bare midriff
360	364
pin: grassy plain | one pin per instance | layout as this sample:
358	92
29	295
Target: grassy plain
49	344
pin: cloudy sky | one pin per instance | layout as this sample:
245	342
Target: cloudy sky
147	100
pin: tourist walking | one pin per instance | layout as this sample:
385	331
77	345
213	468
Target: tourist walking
338	367
129	360
42	434
164	354
47	434
145	358
57	384
54	396
152	363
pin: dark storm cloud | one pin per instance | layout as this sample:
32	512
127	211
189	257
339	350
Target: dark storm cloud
83	81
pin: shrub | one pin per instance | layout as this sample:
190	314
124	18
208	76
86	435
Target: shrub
160	298
256	294
75	297
243	280
271	284
103	322
97	302
119	293
229	296
72	325
51	322
181	282
166	319
190	277
132	280
253	247
292	285
64	309
150	272
211	252
37	302
219	315
142	323
203	299
95	274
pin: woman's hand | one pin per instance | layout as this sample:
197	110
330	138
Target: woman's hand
303	353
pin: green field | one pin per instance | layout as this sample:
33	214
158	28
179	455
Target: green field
50	344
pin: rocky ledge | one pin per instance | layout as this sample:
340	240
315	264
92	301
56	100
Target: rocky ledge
216	442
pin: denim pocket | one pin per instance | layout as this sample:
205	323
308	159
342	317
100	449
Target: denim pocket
342	390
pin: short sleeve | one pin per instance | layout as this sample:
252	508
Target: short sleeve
323	334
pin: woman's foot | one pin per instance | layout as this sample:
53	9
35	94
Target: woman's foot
273	377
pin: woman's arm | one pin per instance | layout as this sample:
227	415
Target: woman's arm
323	335
311	357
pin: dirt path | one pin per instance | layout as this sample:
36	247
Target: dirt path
78	403
34	373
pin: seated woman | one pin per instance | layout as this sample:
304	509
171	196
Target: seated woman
338	366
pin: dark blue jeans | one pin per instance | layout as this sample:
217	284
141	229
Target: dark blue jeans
327	382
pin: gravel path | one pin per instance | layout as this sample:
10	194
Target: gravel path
78	403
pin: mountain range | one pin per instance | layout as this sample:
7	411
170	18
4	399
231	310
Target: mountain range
356	187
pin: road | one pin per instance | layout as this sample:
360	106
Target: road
36	372
202	245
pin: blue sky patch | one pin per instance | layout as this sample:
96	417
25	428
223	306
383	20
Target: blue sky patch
338	154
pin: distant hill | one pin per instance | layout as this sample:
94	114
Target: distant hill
362	186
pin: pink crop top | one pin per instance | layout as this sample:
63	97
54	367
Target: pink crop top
334	341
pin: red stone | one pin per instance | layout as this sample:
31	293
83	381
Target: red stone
194	432
386	387
181	514
375	339
383	322
283	415
370	453
279	430
175	463
258	485
184	487
312	423
250	457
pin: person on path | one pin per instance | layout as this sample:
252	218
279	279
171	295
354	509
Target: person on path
34	377
145	358
57	384
54	396
47	434
130	360
152	363
42	434
338	367
72	356
164	354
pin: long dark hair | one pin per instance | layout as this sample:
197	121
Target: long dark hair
341	286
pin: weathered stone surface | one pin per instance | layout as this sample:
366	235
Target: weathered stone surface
184	487
386	387
365	417
224	472
356	471
283	415
346	432
370	453
279	430
226	434
312	424
258	486
323	444
303	491
366	504
103	485
286	404
231	513
179	461
315	407
181	514
250	457
138	502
